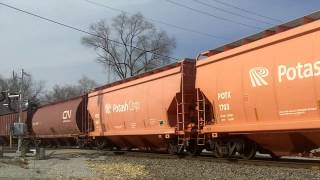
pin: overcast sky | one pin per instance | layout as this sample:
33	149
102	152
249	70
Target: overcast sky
55	54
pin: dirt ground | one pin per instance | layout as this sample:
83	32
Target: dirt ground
58	163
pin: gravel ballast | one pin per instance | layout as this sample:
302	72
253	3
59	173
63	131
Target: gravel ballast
90	164
191	169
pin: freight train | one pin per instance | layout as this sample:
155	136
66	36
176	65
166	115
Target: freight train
258	94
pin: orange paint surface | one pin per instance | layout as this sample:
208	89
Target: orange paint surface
271	84
144	105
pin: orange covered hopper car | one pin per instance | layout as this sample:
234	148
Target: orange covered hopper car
143	111
61	122
262	93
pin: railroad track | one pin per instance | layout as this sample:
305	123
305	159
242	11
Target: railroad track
259	161
286	163
306	163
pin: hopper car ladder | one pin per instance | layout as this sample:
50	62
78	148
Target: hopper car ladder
182	112
201	107
180	122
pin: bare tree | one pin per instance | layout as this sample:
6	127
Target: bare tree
2	89
85	84
59	93
32	90
137	47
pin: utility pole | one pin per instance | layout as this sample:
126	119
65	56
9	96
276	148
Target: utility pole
20	111
21	100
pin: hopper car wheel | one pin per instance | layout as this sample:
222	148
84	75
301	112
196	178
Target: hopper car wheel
193	149
217	153
45	143
217	149
274	157
249	151
37	142
100	143
174	149
81	143
116	148
48	145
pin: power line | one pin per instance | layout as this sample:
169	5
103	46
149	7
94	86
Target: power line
247	11
83	31
212	15
158	21
230	12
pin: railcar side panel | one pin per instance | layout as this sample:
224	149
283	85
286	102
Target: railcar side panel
276	84
138	109
267	90
61	119
140	112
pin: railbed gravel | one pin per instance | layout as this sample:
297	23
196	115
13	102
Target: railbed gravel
191	169
89	164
